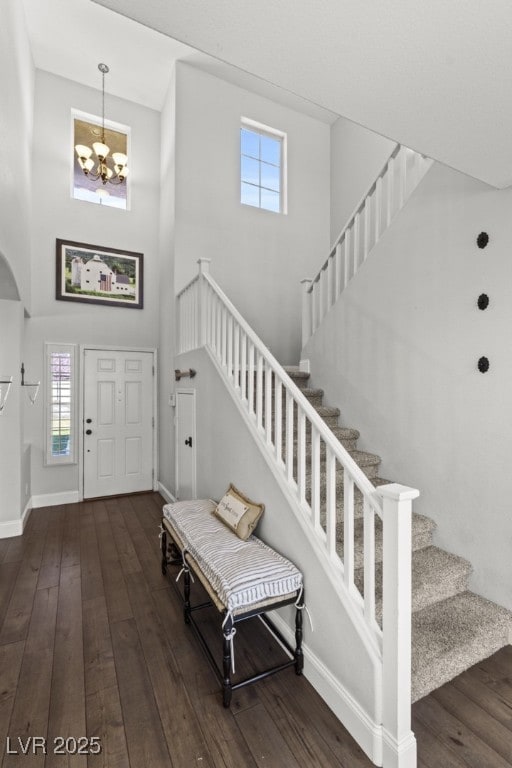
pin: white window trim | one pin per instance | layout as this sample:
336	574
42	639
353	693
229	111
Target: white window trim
247	122
49	460
77	114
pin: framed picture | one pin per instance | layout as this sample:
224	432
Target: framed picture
99	275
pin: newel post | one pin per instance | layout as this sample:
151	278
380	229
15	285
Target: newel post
204	269
399	743
307	319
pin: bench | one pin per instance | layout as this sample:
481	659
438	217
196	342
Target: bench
242	579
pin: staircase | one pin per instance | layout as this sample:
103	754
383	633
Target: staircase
452	628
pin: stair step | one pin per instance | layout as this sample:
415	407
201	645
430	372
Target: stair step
436	575
452	635
300	378
421	537
348	438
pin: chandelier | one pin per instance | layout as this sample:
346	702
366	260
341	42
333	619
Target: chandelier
98	169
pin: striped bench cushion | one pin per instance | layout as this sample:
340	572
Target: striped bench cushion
241	573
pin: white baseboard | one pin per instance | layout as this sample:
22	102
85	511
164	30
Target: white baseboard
304	366
367	733
11	528
166	493
53	499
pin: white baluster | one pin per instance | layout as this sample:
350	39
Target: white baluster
236	356
315	476
250	396
338	272
218	329
321	302
243	373
289	437
329	277
356	233
301	455
402	171
348	528
367	227
390	191
348	240
278	419
307	321
369	562
330	502
268	403
259	391
396	624
230	347
378	208
224	337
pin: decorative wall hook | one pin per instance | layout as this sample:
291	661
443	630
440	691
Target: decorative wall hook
5	386
482	239
483	364
483	301
182	374
33	389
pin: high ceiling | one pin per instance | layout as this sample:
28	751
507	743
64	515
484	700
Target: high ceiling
435	75
71	37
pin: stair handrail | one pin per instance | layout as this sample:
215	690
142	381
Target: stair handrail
376	209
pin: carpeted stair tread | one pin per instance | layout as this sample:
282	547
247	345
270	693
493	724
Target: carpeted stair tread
452	635
436	575
421	536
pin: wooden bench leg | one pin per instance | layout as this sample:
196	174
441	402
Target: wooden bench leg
186	595
298	655
164	552
226	662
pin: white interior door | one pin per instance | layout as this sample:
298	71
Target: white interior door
118	422
185	444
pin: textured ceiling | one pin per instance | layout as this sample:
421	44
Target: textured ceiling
436	75
71	37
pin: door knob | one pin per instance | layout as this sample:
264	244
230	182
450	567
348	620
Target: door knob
88	431
188	442
88	421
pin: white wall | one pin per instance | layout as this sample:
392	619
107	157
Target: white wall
57	215
166	288
16	113
398	354
16	116
11	479
258	257
357	156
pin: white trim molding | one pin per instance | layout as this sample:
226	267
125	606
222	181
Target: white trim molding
10	528
53	499
163	491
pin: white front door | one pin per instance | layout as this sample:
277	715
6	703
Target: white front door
118	422
185	444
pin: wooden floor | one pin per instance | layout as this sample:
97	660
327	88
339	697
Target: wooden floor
92	644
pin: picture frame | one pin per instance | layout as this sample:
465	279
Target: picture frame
98	275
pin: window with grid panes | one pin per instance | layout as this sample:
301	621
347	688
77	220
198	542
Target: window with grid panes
60	404
262	151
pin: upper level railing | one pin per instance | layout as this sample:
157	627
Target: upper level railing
349	518
387	195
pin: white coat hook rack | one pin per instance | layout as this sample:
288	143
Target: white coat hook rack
33	388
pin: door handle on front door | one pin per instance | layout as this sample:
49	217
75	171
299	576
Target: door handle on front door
88	431
188	442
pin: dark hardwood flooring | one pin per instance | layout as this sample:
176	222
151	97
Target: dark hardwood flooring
92	643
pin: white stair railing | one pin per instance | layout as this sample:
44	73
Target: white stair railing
331	491
387	195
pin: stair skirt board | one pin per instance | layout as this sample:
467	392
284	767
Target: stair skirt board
452	628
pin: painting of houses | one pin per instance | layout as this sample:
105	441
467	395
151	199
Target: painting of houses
99	275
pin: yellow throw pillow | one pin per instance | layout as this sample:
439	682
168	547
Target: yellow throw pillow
238	512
